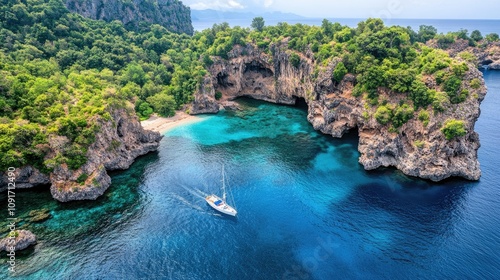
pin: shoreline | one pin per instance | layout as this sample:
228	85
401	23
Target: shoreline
163	125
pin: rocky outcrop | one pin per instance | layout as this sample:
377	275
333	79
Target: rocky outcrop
416	149
171	14
118	142
25	177
22	239
488	55
204	100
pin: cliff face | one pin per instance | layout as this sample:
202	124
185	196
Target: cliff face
171	14
488	56
118	142
487	53
415	149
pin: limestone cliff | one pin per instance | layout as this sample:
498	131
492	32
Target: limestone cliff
487	54
415	149
171	14
118	142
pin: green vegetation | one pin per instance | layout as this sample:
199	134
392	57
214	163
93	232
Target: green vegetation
295	60
424	117
339	72
401	115
62	73
82	178
453	128
492	37
258	23
475	83
476	35
383	114
163	103
419	144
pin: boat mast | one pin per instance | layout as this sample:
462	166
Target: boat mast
223	185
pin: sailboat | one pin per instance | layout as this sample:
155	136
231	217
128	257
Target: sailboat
220	204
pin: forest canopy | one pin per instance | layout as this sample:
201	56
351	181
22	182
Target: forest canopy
60	72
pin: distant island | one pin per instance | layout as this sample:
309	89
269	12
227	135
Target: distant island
74	88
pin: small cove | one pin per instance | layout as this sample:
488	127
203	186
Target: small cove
307	209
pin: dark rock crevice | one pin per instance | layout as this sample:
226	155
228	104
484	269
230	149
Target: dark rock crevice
415	149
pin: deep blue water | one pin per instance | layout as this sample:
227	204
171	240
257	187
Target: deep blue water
307	210
442	25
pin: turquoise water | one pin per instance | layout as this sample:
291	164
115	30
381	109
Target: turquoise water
307	210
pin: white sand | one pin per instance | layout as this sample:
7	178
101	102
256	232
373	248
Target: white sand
163	125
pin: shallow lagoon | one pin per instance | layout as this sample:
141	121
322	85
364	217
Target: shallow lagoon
307	210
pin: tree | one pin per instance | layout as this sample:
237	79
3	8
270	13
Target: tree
462	34
258	23
426	32
476	35
327	27
492	37
339	72
295	60
163	104
134	73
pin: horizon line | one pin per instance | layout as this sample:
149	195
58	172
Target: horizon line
363	18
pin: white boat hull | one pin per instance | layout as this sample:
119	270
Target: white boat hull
218	204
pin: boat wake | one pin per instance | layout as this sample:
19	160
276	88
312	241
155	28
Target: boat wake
198	194
195	192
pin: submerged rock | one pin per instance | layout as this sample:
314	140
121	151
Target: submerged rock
22	239
39	215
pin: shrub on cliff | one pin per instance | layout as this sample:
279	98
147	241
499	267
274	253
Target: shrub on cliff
453	128
492	37
476	35
383	114
401	115
451	87
339	72
295	60
424	117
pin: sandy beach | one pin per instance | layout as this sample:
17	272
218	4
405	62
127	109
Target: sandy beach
162	125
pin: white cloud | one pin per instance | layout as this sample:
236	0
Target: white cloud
217	5
263	3
268	3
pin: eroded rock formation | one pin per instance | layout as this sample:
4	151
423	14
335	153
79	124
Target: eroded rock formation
171	14
488	56
118	143
415	149
21	240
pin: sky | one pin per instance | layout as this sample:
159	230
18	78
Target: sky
421	9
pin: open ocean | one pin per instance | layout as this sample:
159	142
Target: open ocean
442	25
307	210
